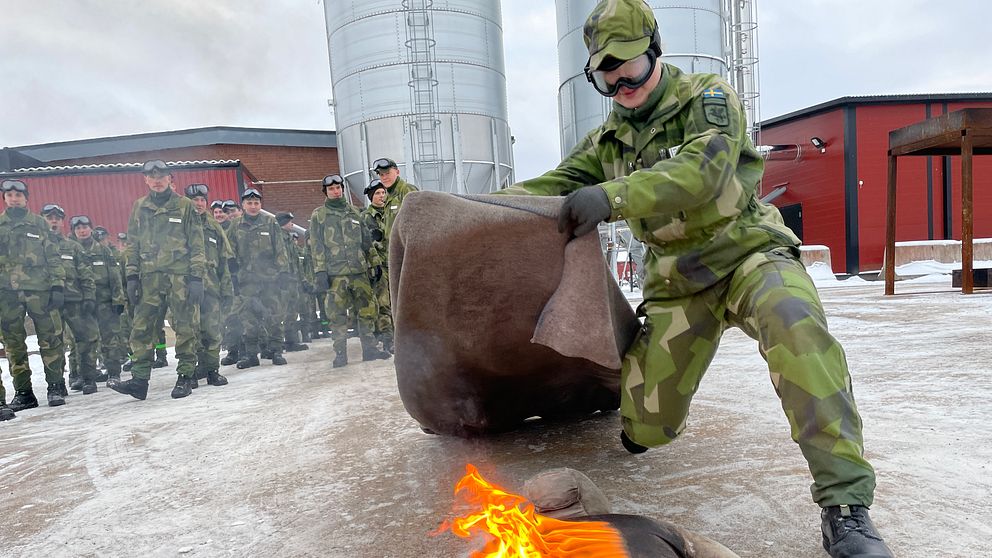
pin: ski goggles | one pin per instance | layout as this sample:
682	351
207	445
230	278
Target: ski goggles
230	204
14	186
251	193
80	220
216	204
380	165
53	209
155	167
331	179
194	190
631	74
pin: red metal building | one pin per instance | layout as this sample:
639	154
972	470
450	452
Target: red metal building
106	193
828	176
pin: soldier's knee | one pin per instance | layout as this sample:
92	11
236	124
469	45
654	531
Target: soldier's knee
649	435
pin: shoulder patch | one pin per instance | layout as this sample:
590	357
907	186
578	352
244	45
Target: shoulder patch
715	107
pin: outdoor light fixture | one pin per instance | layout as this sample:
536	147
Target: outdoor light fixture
819	143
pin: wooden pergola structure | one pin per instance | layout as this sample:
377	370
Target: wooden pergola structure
966	132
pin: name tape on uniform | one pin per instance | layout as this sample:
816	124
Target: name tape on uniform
175	220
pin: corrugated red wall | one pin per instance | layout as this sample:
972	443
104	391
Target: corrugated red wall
107	197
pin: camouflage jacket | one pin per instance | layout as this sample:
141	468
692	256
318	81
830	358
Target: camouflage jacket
29	260
106	271
80	283
166	239
258	247
683	172
306	265
394	198
292	254
217	281
338	239
375	218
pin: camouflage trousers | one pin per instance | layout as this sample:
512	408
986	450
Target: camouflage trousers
112	348
161	292
208	347
233	330
773	300
384	315
13	307
85	334
351	293
261	315
291	302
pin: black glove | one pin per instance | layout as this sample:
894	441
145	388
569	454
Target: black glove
56	300
133	290
89	307
583	210
377	273
376	233
321	282
194	287
257	307
118	309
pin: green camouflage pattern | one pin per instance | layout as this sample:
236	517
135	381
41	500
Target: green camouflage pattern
375	218
351	293
162	292
217	250
394	199
339	240
687	187
106	270
165	239
291	292
85	334
618	28
29	260
14	305
208	341
262	330
80	283
772	299
261	254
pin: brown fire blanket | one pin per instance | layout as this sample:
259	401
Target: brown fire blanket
498	317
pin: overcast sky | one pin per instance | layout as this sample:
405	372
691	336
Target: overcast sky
75	69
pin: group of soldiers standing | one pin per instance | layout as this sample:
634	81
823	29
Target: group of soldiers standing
220	274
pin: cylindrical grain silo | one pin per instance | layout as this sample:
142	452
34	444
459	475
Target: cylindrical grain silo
694	34
421	82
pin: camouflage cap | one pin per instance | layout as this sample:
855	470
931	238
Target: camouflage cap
621	29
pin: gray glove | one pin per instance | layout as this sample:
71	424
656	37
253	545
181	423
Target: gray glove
133	290
194	286
583	210
321	282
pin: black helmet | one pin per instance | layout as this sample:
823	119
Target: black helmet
100	233
330	179
372	187
284	217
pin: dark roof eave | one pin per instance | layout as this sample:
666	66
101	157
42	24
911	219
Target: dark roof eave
874	100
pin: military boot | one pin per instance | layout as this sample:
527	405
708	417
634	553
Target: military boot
277	358
113	370
214	378
127	365
55	397
194	382
6	413
387	344
248	360
305	334
89	386
62	389
630	445
849	533
374	353
161	360
292	346
232	356
23	399
135	387
265	354
340	359
75	382
183	387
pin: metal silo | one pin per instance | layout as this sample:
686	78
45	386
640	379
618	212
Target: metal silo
421	82
701	36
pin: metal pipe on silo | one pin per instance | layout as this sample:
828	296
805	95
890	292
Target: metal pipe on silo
421	82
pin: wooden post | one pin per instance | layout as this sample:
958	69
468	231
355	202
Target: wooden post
967	214
890	229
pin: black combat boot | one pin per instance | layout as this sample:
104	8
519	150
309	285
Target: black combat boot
277	358
248	360
266	354
89	386
194	382
374	353
387	344
630	445
182	388
305	334
75	382
101	376
340	359
55	397
6	413
214	378
293	346
62	389
113	371
232	356
135	387
127	365
23	399
849	533
161	360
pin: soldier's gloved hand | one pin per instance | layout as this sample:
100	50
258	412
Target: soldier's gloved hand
194	288
583	210
377	273
257	307
56	300
89	307
133	290
118	309
321	282
376	233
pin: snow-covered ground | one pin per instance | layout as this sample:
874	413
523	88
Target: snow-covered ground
303	460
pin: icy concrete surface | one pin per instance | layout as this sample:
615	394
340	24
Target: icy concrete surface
303	460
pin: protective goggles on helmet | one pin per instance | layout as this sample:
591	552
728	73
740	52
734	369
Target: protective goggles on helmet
251	193
229	205
631	74
53	208
216	204
156	167
80	220
14	186
331	179
194	190
372	187
380	165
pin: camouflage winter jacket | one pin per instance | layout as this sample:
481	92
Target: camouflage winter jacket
217	281
106	271
394	199
339	240
375	218
29	260
80	283
683	172
258	248
165	239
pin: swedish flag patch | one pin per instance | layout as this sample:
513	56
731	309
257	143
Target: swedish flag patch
715	107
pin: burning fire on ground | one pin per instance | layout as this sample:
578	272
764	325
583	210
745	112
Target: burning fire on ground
512	529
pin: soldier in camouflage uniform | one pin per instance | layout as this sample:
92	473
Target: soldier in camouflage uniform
262	270
109	293
308	303
374	216
234	331
78	313
396	190
339	243
674	159
292	292
31	282
217	287
166	265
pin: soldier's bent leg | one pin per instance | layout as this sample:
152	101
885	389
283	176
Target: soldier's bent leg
208	353
186	323
84	333
336	313
110	332
773	300
49	331
148	316
12	310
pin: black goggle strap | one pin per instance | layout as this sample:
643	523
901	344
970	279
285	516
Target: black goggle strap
598	77
381	164
52	208
81	220
251	193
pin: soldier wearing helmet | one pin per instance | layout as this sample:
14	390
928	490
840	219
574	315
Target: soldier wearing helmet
674	159
396	189
375	216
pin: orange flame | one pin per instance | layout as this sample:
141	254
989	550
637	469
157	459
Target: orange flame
513	530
